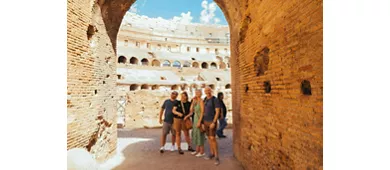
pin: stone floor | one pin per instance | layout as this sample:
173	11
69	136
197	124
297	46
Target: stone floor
138	149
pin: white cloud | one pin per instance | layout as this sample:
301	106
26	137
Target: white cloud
217	20
207	15
185	18
133	8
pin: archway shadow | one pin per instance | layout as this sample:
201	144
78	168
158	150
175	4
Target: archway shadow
138	149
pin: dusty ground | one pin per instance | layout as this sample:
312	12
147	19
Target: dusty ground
139	150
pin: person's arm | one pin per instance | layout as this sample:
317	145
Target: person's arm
201	113
217	112
221	111
176	112
161	112
191	111
192	108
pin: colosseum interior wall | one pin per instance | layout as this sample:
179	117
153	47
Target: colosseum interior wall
276	84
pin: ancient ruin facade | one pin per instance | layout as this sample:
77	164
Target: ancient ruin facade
276	79
157	56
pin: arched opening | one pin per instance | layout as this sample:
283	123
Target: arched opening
174	87
213	65
222	66
227	86
166	63
195	64
122	59
184	87
145	62
133	87
212	86
133	60
219	59
176	64
155	87
227	59
205	65
187	64
145	87
156	63
194	86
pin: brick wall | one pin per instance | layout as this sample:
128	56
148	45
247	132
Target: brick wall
282	129
91	81
271	40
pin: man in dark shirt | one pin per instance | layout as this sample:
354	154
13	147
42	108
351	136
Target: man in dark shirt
168	120
222	119
211	113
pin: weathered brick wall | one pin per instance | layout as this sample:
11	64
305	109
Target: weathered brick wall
282	129
279	130
91	81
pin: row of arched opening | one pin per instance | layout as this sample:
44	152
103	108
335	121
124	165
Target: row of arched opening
177	64
134	87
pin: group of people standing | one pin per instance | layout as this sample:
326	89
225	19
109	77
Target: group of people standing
199	115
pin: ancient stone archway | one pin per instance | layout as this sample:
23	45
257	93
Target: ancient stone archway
166	63
133	60
195	64
174	87
222	66
205	65
122	59
213	65
250	32
184	87
155	87
176	64
145	62
187	64
134	87
156	63
194	86
145	86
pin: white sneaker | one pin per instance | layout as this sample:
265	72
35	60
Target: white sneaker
173	148
193	153
200	155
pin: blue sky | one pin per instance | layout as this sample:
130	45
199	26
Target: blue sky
201	11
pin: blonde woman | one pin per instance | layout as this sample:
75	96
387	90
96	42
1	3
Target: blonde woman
198	137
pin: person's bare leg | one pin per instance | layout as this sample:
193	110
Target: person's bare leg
173	139
215	149
187	136
178	142
201	149
197	149
211	145
163	139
